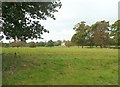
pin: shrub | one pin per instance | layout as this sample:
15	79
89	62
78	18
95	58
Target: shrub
32	44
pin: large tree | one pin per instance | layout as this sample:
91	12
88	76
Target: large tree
89	36
21	20
115	33
50	43
80	37
101	33
96	34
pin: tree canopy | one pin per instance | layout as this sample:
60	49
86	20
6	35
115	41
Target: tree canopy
21	19
81	34
101	33
115	34
50	43
98	34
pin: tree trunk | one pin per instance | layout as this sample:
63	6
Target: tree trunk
100	46
82	46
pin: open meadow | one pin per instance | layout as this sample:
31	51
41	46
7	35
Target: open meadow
60	66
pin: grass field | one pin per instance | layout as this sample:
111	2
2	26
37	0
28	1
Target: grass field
60	66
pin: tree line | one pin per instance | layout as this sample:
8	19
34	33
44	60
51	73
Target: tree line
99	34
50	43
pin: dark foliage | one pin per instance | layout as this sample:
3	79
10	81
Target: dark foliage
21	19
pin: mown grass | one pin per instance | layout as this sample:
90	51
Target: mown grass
60	66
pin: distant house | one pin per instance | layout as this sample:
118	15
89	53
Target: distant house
63	44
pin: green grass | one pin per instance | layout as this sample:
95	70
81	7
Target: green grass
60	66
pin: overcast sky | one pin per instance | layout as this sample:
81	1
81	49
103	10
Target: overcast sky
74	11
